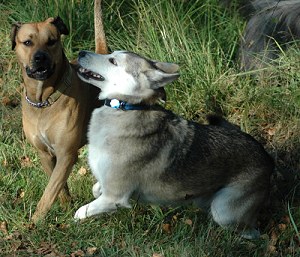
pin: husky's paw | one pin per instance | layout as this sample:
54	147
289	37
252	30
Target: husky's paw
250	234
97	190
81	213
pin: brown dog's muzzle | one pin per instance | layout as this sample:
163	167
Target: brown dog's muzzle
41	66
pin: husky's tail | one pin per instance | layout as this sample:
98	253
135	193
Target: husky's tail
100	39
216	120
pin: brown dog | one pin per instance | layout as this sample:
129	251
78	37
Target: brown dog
56	106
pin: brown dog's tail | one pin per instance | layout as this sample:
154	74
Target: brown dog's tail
100	39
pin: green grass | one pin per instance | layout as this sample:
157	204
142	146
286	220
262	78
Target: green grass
203	38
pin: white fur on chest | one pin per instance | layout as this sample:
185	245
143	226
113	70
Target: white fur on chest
99	157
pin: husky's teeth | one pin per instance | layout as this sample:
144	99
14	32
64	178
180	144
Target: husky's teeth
90	74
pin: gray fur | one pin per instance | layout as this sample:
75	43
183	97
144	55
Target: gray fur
272	26
158	157
247	8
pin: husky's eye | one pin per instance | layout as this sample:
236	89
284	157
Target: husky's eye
28	43
113	61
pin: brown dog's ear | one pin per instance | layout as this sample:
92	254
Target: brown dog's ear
14	29
60	25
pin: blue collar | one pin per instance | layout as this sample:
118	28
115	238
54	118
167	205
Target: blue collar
122	105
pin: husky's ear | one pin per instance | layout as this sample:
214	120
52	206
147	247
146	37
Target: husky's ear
159	79
167	67
164	74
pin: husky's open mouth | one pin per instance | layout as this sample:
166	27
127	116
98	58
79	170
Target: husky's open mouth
88	74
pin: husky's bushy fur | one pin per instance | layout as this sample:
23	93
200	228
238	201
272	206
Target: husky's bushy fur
140	149
271	27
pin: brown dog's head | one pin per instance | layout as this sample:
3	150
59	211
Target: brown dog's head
38	46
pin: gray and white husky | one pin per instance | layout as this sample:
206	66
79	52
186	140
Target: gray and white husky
138	148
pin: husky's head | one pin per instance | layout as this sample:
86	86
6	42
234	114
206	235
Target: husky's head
126	76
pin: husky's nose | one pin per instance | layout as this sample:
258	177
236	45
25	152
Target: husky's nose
82	54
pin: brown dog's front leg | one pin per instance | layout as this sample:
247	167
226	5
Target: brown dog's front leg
56	183
48	162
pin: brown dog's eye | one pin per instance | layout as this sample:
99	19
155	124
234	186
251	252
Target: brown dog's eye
51	42
113	61
27	43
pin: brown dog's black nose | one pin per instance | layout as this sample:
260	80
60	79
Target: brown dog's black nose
82	53
40	57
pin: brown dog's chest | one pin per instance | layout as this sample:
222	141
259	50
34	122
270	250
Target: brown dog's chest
46	128
36	130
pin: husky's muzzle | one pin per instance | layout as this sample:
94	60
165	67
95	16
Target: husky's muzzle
86	73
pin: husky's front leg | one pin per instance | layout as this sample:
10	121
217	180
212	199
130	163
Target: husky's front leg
102	204
97	190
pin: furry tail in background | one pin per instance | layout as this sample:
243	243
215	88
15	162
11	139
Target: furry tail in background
272	26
